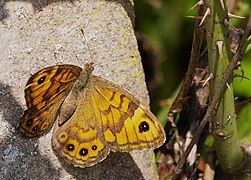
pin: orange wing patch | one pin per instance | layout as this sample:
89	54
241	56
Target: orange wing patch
127	124
44	93
47	84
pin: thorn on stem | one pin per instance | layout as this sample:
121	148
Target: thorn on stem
207	13
235	16
211	76
222	4
229	118
219	45
229	88
196	5
194	17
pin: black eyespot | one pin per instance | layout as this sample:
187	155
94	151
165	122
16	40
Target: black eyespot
29	122
35	128
70	147
83	152
143	127
62	136
94	147
41	80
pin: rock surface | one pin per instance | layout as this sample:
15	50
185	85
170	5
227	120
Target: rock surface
38	34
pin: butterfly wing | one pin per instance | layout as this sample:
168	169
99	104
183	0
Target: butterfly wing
45	85
126	123
105	118
77	140
44	93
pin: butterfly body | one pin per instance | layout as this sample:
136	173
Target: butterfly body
93	115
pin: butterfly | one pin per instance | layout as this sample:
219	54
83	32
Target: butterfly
92	115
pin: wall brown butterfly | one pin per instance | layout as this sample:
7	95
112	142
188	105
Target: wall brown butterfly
93	115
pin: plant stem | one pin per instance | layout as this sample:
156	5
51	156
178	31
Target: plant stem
212	107
228	150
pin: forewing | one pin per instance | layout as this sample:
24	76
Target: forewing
45	85
44	93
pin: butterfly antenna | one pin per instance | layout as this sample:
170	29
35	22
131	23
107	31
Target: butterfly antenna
92	55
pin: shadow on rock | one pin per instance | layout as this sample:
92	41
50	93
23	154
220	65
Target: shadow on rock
20	158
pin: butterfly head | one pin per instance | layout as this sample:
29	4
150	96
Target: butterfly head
89	67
